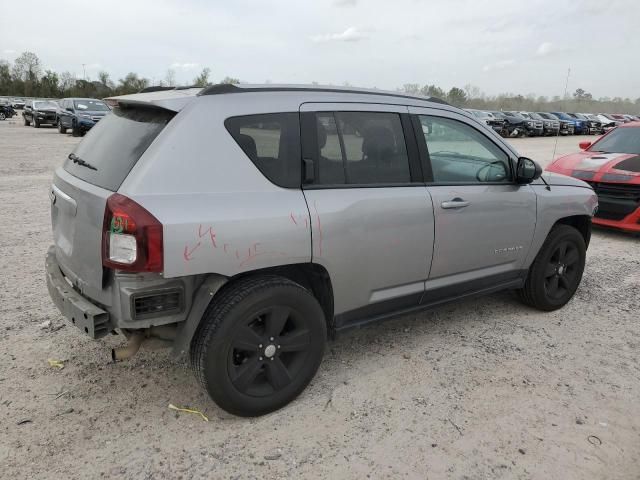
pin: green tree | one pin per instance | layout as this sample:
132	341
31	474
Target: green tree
230	80
131	83
580	94
202	80
49	84
26	73
457	97
433	91
6	82
103	78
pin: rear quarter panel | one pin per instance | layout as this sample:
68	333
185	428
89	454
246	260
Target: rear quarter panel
219	213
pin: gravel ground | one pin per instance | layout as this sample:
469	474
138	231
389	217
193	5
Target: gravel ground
485	388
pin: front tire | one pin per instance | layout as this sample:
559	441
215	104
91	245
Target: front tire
259	344
556	271
36	123
26	122
75	130
61	129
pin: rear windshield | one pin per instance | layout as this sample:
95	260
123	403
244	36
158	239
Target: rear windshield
113	146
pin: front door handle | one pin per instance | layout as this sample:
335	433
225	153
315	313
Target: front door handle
455	203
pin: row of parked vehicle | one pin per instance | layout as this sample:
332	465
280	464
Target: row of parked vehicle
75	114
532	124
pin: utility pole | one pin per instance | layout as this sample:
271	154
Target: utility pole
84	73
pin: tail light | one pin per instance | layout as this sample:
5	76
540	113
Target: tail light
131	237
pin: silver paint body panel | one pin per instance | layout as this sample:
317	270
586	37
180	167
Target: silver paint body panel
221	216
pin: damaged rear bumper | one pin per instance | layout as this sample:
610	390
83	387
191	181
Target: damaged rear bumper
89	318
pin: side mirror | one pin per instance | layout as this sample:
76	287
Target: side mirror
584	145
527	170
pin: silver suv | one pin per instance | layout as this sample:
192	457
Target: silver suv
243	225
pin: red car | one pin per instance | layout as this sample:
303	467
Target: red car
611	165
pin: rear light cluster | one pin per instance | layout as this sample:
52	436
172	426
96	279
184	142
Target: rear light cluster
131	237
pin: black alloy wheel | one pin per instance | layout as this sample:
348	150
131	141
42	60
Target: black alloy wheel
555	274
268	351
259	344
562	270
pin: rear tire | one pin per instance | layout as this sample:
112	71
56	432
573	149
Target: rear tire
61	129
26	122
259	344
556	271
75	131
36	123
2	116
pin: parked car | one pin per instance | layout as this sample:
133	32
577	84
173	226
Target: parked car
537	124
611	165
493	122
6	110
598	127
189	215
607	122
18	103
579	126
39	112
552	125
80	114
514	125
589	126
620	118
631	118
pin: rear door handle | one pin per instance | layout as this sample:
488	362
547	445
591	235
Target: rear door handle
455	203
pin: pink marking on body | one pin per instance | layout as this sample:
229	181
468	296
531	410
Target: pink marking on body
237	255
319	229
187	254
225	247
213	238
293	219
200	231
253	257
255	247
306	223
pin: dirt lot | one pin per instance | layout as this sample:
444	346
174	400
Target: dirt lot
483	389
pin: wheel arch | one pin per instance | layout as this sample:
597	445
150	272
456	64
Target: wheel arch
311	276
582	223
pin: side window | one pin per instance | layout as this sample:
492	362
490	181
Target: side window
361	148
272	142
461	154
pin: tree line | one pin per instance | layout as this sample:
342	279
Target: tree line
26	77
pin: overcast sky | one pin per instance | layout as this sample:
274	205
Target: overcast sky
499	46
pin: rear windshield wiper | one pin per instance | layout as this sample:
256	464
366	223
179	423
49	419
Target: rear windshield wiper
76	159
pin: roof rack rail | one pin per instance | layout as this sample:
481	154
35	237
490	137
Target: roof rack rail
222	88
156	88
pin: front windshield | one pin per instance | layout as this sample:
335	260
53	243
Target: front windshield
92	105
620	140
514	114
478	114
499	114
535	116
45	104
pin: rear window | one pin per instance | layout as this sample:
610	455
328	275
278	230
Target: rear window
115	144
272	142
